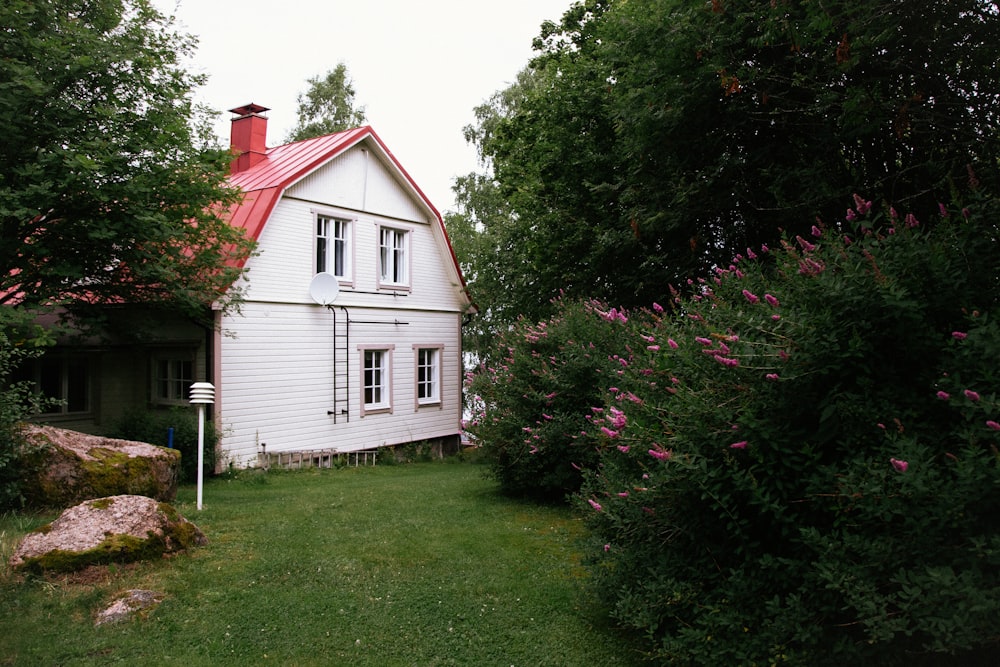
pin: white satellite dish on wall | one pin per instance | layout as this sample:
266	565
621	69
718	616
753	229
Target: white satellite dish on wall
324	288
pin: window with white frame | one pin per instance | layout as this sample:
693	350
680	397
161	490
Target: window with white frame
172	379
428	375
333	252
376	380
392	257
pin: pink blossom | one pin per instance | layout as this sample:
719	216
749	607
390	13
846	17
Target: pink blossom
533	450
751	254
742	444
943	395
862	205
750	296
607	547
672	343
911	221
944	210
704	341
546	417
608	432
850	217
959	335
899	465
971	395
993	425
660	454
653	348
772	376
811	267
623	449
596	505
806	246
772	301
764	249
816	231
729	362
623	494
775	317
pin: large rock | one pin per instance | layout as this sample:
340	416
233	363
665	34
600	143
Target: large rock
73	467
119	529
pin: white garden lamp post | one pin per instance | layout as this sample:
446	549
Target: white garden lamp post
202	394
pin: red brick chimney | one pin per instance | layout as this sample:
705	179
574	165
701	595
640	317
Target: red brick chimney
248	137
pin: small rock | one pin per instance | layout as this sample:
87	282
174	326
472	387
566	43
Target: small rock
134	601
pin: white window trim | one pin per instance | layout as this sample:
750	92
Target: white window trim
154	377
407	234
434	401
351	224
385	405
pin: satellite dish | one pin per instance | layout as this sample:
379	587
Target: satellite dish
324	288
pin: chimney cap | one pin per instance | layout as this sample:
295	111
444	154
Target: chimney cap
249	109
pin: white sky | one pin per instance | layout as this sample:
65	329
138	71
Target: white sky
418	67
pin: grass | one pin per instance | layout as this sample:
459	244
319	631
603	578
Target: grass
420	564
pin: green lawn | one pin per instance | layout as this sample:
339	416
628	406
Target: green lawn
420	564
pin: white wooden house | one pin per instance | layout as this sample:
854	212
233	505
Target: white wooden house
380	365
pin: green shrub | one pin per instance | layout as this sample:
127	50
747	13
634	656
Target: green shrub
152	426
18	402
532	408
804	466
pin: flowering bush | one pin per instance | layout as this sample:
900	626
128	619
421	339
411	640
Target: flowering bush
532	407
806	469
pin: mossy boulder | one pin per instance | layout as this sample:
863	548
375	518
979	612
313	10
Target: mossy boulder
72	467
118	529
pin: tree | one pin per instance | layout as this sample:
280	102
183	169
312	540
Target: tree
661	137
109	189
328	106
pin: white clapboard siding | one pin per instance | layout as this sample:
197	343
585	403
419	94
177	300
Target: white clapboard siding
359	180
277	380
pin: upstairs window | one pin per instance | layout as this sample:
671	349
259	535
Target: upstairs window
392	258
333	246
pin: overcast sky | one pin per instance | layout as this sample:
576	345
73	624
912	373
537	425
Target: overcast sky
419	67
